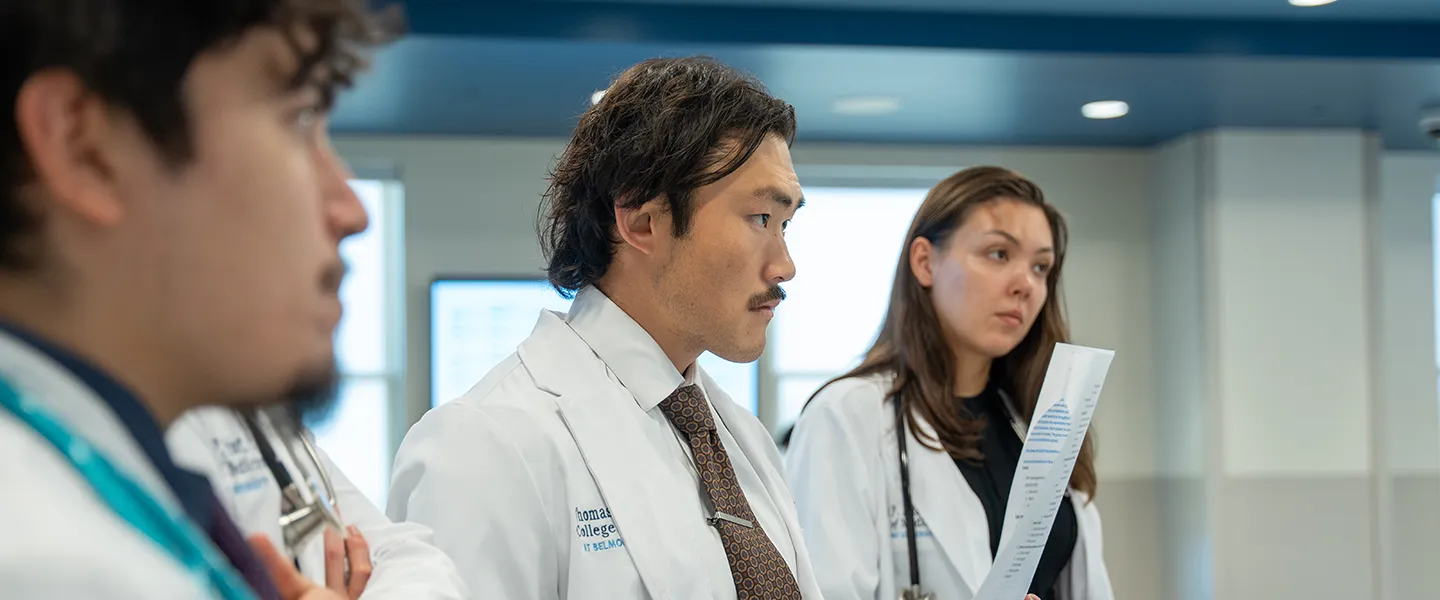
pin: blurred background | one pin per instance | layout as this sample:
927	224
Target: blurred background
1251	195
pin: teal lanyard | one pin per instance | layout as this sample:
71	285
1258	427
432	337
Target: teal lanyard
174	533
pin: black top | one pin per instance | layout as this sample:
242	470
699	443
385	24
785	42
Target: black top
991	478
193	490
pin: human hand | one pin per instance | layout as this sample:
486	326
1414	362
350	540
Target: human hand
288	580
352	552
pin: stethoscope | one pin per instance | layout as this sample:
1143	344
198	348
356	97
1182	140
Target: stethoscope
173	532
307	495
914	591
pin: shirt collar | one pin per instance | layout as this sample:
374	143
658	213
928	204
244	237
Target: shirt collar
191	489
626	348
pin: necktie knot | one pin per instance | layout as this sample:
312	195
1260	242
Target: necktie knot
688	411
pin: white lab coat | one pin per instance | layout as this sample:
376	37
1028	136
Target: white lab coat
844	471
58	539
515	476
214	442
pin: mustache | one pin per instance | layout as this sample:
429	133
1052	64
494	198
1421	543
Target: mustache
774	294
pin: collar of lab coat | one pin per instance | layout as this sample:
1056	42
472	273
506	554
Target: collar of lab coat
626	348
191	489
83	412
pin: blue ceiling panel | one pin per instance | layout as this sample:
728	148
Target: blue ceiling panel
492	87
1248	9
456	86
960	72
737	24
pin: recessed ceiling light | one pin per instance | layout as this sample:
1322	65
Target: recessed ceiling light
595	97
867	105
1309	3
1105	109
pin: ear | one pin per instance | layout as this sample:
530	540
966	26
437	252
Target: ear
922	257
69	134
641	227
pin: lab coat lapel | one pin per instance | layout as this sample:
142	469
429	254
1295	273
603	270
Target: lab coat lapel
1089	578
605	422
762	454
951	510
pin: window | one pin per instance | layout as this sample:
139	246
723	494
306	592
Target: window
476	323
369	344
846	244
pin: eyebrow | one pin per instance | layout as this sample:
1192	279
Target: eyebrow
1016	241
779	197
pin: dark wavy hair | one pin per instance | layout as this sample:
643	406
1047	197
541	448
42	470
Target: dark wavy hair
136	56
911	348
663	129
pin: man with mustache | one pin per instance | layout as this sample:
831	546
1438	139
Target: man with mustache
599	461
171	212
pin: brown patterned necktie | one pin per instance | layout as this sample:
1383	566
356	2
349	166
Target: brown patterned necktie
760	572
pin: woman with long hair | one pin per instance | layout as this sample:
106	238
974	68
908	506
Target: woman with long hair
975	313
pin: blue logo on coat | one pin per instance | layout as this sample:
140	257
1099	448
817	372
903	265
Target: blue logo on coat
897	524
596	529
243	464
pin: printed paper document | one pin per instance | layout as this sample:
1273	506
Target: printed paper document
1052	443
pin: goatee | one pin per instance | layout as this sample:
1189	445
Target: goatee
312	398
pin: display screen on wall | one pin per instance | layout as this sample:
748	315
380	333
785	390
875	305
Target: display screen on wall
475	323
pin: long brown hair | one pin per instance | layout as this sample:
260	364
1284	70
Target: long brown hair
912	348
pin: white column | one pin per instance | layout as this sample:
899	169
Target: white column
1408	477
1264	339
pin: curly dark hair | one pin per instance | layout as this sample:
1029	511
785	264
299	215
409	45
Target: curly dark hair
135	54
663	129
